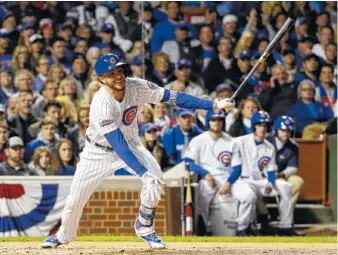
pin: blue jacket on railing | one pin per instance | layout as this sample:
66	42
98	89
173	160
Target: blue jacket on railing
173	141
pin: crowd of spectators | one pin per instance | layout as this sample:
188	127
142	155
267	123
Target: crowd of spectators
48	51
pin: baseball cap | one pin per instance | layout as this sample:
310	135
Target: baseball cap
35	38
149	126
137	60
244	55
287	51
184	112
255	55
107	28
25	25
306	39
182	25
300	21
146	6
230	18
45	22
2	108
4	33
223	86
66	25
219	115
15	141
309	56
183	63
79	56
7	15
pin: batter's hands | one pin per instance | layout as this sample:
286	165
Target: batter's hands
280	175
210	180
224	189
225	104
268	188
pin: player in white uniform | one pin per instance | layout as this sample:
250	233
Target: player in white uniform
112	142
259	167
214	155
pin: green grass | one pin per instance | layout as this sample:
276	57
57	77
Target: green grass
260	239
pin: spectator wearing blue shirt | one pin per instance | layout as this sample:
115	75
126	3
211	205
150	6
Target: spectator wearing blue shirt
5	55
64	162
304	47
176	139
7	88
42	69
58	53
310	68
301	28
306	111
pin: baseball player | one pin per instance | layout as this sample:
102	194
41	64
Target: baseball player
213	155
259	167
112	142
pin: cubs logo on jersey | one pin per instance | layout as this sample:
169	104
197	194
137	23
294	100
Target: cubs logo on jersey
225	158
263	162
129	115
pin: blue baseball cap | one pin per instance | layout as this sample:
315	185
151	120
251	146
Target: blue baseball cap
184	112
183	63
223	86
309	56
255	55
182	25
146	5
149	126
4	33
245	54
25	25
107	28
137	60
300	21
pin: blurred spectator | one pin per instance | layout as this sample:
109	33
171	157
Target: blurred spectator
151	142
88	13
176	139
161	119
310	68
322	20
145	115
26	30
136	67
49	93
58	53
12	106
56	73
20	122
201	114
4	132
80	68
183	79
92	88
77	133
42	69
7	88
205	50
182	46
3	113
136	50
92	56
124	19
326	90
5	51
85	32
47	32
331	58
301	27
289	59
262	46
260	77
306	111
160	74
66	32
326	37
222	66
63	163
41	161
229	28
210	19
304	47
14	164
55	10
23	81
21	59
81	47
9	23
245	43
106	35
112	48
278	98
92	76
52	109
46	137
242	123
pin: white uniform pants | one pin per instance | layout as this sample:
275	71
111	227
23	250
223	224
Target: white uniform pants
94	166
240	190
284	191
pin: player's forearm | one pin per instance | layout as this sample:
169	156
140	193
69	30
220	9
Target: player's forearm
290	170
184	100
120	146
236	173
195	167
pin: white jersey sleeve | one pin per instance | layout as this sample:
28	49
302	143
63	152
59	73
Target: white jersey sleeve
236	158
149	92
192	151
104	116
272	166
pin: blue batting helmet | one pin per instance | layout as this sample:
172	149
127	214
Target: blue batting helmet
283	122
260	117
108	62
210	115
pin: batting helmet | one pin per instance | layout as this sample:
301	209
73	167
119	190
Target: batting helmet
283	122
210	115
108	62
260	117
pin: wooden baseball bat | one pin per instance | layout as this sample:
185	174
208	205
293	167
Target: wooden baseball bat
188	196
272	45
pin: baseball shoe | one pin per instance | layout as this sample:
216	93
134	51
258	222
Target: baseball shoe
152	239
242	233
287	232
51	242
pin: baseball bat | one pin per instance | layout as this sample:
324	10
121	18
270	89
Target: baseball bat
272	45
188	197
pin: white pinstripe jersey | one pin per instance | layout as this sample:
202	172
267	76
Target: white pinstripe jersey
216	156
107	114
256	159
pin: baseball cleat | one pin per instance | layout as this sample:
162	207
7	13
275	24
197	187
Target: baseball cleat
51	242
154	241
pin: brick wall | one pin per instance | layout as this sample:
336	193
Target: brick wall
114	212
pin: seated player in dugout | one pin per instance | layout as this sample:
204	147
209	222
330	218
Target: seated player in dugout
214	155
259	170
287	163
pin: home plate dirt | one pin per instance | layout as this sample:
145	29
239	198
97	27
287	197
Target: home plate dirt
177	248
